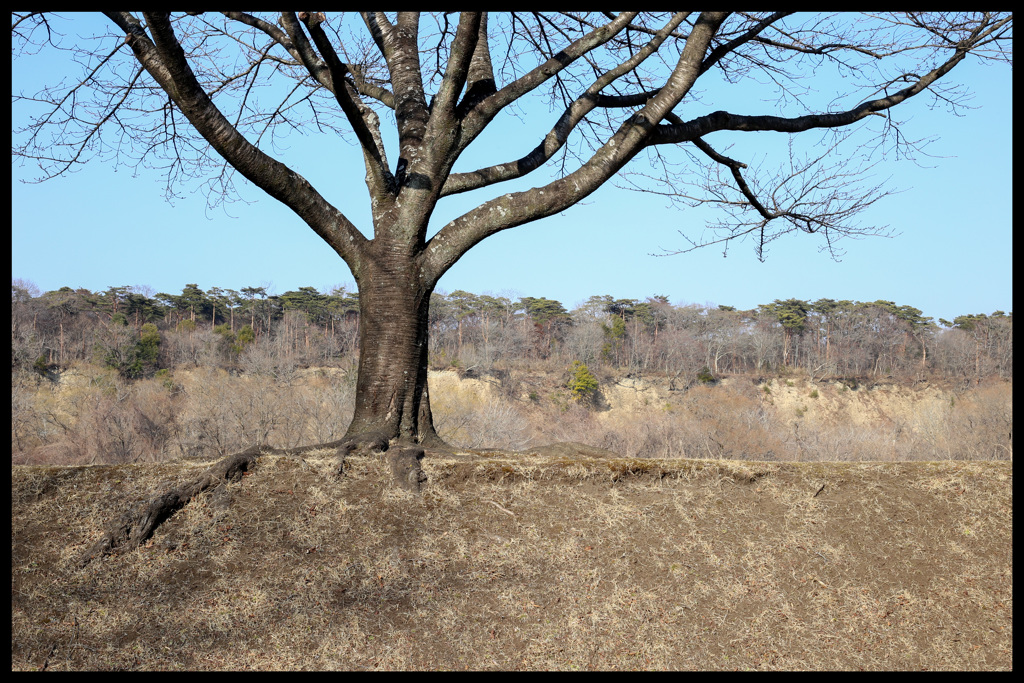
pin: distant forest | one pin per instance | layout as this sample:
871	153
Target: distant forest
140	332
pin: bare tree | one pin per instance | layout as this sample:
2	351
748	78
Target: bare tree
203	96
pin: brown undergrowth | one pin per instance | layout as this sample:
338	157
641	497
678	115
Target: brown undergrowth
560	558
91	417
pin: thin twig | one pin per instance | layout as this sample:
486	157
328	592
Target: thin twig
501	508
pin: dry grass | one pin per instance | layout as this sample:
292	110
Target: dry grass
742	421
95	418
524	562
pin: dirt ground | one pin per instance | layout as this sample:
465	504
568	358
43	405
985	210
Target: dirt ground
553	560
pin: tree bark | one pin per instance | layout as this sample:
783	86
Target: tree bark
393	332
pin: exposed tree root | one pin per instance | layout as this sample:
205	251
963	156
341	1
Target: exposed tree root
433	442
405	468
136	525
139	523
374	442
378	442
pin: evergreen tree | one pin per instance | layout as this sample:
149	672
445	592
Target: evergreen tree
792	315
309	301
194	301
141	309
545	311
147	349
582	384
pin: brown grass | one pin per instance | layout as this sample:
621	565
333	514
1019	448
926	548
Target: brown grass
92	417
523	562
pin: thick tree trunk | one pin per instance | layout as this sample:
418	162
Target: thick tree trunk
392	399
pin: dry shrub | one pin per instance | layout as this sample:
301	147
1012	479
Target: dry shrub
324	407
206	428
493	423
272	359
26	420
820	441
224	413
976	425
553	422
980	424
156	420
109	431
104	427
94	420
713	422
263	412
720	422
646	433
93	416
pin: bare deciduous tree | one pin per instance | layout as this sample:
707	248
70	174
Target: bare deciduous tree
203	96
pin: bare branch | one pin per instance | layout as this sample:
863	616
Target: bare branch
462	51
751	34
811	196
618	83
556	138
164	59
721	120
378	177
480	81
484	112
517	208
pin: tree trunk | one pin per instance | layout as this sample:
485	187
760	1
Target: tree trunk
392	397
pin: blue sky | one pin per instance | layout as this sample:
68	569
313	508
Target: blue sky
102	227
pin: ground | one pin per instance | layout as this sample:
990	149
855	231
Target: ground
554	559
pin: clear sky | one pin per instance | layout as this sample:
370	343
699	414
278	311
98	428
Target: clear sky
103	227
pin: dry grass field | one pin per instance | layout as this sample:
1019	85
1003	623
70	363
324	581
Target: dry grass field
561	558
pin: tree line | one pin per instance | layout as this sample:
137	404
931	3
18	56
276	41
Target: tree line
140	332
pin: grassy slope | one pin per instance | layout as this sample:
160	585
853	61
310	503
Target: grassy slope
524	562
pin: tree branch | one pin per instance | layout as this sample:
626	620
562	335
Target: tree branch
398	44
164	59
734	166
320	72
462	51
480	80
748	35
721	120
513	209
809	197
484	112
378	177
571	117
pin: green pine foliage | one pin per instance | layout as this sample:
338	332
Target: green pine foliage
832	338
148	346
246	336
582	384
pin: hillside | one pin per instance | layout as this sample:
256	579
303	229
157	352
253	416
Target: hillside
749	417
556	558
87	415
